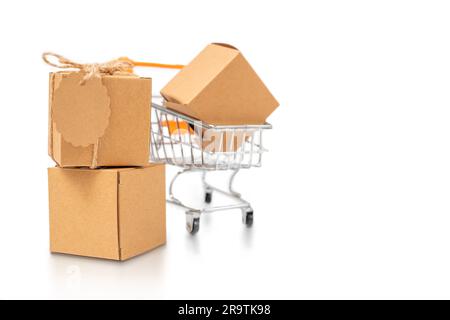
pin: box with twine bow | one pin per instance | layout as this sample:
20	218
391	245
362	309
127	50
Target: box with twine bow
99	114
99	118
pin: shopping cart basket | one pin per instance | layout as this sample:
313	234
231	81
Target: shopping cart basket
179	140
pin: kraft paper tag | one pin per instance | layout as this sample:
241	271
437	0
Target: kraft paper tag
81	112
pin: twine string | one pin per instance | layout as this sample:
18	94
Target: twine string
91	70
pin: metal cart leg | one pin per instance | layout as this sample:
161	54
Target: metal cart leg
192	214
172	198
207	188
246	209
247	212
230	184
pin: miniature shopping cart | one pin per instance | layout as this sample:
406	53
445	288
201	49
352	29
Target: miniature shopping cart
192	145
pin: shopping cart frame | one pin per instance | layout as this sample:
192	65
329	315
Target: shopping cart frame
177	146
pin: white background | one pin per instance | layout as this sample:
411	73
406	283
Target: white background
352	200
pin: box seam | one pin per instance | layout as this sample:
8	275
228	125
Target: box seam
119	247
51	116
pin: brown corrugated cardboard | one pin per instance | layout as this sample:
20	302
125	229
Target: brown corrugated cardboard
113	213
220	87
105	122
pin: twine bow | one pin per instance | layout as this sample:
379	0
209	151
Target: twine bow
90	69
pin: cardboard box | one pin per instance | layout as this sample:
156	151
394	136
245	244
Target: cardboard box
114	213
104	122
220	87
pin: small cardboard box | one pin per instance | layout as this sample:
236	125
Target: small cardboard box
103	122
113	213
220	87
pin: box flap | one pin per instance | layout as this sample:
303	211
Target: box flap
113	169
226	45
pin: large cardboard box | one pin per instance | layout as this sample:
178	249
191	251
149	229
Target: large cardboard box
220	87
103	122
114	213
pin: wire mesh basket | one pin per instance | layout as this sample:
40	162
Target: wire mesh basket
179	140
188	143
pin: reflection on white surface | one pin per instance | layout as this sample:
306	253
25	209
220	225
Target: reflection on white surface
80	276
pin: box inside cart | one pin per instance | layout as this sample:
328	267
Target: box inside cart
220	87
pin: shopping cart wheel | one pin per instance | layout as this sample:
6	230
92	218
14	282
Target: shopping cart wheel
247	216
192	223
208	196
